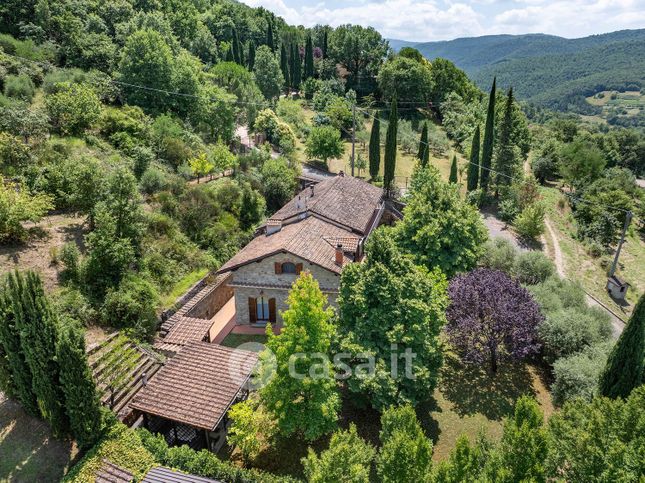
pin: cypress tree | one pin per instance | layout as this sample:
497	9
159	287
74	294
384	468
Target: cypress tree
506	160
235	43
18	371
296	69
284	66
229	54
250	62
81	401
324	45
309	59
453	170
473	166
389	162
489	134
424	152
38	334
270	41
375	148
625	366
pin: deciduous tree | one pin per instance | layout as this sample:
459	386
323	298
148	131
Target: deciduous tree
307	404
405	453
492	318
440	229
324	142
267	72
409	304
347	459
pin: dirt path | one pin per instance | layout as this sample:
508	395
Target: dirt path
617	324
557	253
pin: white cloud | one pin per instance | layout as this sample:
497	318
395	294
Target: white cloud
447	19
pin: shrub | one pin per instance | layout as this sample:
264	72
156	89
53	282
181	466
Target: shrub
17	205
153	180
132	306
202	463
19	87
73	109
499	254
569	331
533	267
70	257
508	210
71	301
577	376
556	293
530	222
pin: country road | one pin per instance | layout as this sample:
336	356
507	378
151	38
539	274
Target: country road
617	324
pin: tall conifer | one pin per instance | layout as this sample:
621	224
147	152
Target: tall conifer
375	148
284	66
389	163
473	166
507	162
270	40
625	366
489	134
81	401
295	67
424	151
38	334
16	363
250	62
309	59
235	43
324	44
453	170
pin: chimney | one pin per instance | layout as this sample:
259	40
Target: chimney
312	190
339	255
341	173
299	204
144	379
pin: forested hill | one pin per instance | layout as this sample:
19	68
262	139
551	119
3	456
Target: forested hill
545	69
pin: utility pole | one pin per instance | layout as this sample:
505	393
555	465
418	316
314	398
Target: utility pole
353	134
628	218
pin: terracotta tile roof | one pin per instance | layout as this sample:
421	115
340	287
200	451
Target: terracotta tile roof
161	474
306	239
188	329
279	286
111	473
345	200
197	385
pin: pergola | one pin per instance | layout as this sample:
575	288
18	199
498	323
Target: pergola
188	399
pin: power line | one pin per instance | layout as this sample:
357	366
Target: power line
581	200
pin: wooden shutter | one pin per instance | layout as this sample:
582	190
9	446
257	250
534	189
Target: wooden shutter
272	311
298	268
253	310
278	267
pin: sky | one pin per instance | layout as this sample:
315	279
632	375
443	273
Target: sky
427	20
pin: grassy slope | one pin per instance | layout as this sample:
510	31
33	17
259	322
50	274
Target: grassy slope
579	265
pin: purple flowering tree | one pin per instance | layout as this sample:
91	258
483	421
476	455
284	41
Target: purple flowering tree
491	317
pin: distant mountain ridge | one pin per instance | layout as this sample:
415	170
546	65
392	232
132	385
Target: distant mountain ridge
546	69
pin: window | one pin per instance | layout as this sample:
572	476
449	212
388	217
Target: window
262	309
289	267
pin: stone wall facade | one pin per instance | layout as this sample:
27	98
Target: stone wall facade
263	280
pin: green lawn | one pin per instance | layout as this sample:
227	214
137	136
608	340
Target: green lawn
236	340
592	272
28	452
468	400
